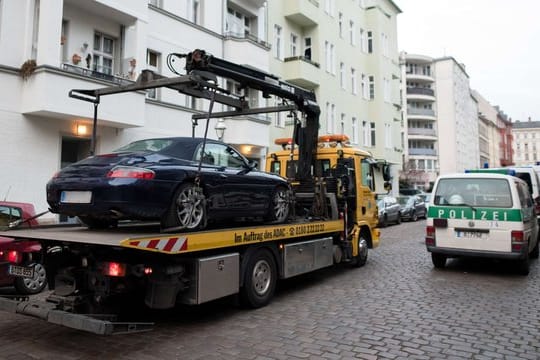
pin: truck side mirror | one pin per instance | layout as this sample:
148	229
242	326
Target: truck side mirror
386	174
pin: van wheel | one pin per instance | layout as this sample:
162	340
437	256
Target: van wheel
523	265
536	250
439	261
260	279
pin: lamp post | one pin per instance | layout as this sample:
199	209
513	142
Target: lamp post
220	129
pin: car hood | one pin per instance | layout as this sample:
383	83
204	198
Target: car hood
100	165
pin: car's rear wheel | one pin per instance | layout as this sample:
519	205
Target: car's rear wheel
384	221
280	205
439	260
523	265
188	209
98	223
34	285
414	217
536	251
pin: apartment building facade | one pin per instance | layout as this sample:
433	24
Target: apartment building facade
52	46
346	52
489	136
526	144
441	124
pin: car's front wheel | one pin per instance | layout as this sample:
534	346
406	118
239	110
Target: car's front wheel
33	285
187	210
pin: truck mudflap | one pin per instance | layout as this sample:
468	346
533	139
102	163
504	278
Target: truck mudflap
100	324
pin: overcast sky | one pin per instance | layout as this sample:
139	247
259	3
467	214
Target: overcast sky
497	40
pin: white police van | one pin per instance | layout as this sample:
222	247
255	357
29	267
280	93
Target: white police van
482	215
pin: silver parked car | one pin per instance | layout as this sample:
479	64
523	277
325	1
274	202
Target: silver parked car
389	211
412	207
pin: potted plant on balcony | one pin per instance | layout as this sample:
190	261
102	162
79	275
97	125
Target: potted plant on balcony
76	59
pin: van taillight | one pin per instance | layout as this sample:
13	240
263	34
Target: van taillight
430	235
518	240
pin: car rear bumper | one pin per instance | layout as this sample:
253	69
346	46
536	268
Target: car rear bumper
451	252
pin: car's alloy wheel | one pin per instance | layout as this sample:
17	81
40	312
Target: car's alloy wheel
188	210
32	285
280	205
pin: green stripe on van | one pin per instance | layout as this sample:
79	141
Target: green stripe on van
466	213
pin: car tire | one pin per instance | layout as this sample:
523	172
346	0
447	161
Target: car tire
187	210
280	205
361	258
98	223
439	260
30	286
523	265
384	221
260	277
414	217
398	220
536	250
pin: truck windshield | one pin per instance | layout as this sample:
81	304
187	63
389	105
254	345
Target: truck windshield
473	192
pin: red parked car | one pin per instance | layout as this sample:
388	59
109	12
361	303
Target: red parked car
20	261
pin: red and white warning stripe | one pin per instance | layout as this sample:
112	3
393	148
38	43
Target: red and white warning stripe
171	245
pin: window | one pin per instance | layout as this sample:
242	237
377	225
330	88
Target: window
366	139
372	128
354	88
342	124
333	118
342	75
294	44
193	11
152	63
278	53
280	117
329	6
340	25
387	90
35	28
384	44
388	136
221	155
363	41
364	85
307	48
238	23
354	123
371	87
103	56
332	59
369	42
156	3
352	33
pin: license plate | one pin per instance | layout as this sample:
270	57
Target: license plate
76	197
21	271
471	234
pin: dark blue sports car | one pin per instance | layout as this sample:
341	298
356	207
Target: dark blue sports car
166	180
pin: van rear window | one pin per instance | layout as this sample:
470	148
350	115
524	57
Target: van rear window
473	192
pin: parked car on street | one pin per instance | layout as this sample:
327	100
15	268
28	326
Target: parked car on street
20	262
165	179
412	207
389	211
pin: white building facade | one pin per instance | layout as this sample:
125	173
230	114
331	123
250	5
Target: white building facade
526	144
62	45
346	52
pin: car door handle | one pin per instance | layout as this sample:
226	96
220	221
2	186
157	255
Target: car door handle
223	176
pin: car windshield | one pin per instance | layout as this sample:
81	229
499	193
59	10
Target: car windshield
473	192
146	145
404	200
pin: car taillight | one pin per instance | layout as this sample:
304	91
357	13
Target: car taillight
114	269
537	206
518	240
430	235
131	173
14	256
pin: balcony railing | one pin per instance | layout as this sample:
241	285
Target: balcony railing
420	91
95	74
422	151
302	58
250	37
422	131
417	111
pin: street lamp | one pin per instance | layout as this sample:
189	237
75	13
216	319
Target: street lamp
220	129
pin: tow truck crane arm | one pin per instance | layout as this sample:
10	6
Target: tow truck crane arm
199	81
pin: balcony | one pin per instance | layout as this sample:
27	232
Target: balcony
419	76
300	71
246	49
302	12
420	93
422	132
419	113
46	94
422	151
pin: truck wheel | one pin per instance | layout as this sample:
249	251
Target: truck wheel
95	223
259	279
29	286
439	260
523	265
361	259
188	209
280	205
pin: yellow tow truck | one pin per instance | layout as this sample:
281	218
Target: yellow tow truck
334	220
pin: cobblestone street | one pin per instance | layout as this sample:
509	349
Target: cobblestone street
396	307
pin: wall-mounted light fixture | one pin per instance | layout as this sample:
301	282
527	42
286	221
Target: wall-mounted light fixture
81	129
220	129
84	47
